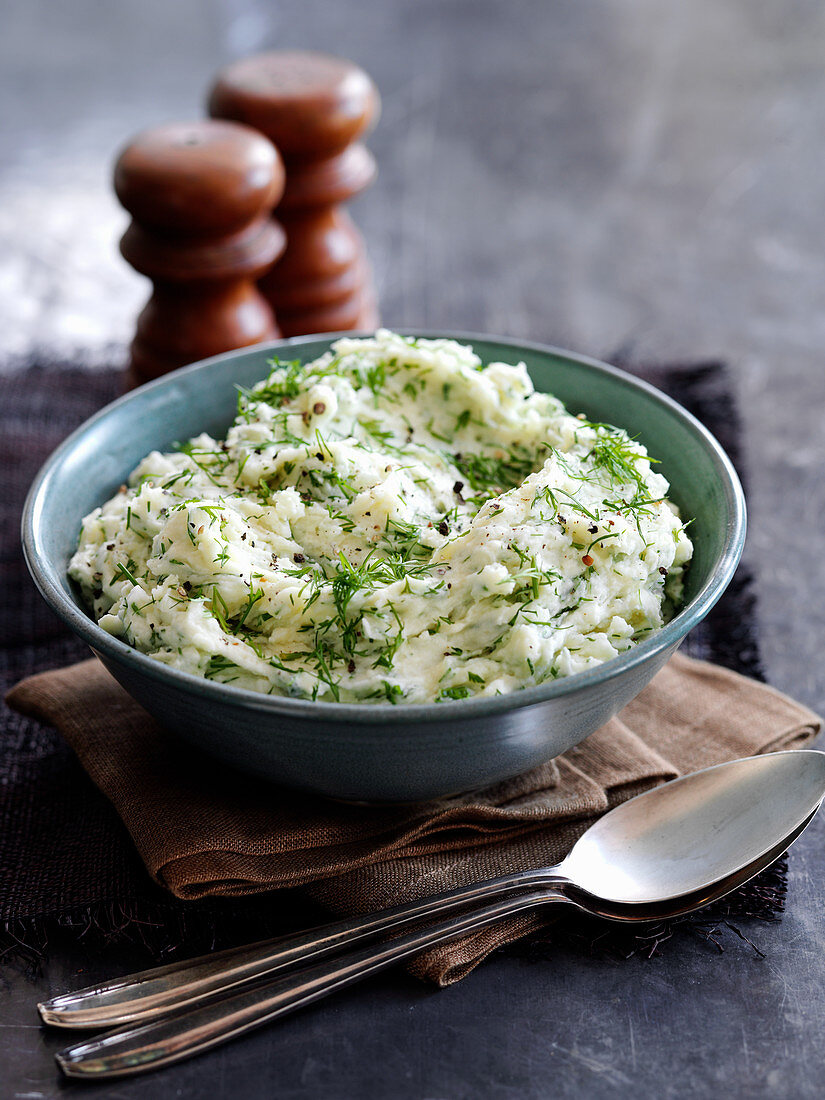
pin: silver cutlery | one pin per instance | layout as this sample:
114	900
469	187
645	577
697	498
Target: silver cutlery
666	852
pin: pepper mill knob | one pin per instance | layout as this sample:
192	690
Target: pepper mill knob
201	195
314	108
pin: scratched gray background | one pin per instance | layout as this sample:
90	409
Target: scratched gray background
644	177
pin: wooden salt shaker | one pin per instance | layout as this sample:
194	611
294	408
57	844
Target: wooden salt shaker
201	195
313	107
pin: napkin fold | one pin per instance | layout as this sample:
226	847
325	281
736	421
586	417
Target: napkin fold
202	830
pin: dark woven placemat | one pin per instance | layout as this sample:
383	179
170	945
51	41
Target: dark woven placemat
66	861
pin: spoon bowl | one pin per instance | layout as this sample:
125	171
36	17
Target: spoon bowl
694	833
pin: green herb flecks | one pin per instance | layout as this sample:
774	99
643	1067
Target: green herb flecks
125	573
222	669
490	475
459	691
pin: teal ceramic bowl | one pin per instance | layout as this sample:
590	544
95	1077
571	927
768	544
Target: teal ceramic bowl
379	752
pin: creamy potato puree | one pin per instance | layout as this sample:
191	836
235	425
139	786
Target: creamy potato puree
396	522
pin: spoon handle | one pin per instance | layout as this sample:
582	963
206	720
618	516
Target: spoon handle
150	993
134	1050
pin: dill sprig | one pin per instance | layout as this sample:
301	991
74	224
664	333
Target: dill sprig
284	383
491	475
124	573
219	666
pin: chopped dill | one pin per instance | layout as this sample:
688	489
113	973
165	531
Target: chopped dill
359	549
460	691
124	573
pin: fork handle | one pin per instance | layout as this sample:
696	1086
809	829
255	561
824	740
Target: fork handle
150	993
134	1050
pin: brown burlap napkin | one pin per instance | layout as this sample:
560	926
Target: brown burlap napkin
204	830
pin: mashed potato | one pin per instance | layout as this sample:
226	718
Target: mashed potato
394	522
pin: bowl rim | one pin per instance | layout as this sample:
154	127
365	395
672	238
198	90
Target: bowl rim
669	636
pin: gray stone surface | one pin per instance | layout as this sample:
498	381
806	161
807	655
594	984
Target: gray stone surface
635	176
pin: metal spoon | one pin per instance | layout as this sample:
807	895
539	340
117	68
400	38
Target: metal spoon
668	851
152	992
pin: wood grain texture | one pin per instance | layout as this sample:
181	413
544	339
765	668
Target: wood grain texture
614	176
314	107
201	196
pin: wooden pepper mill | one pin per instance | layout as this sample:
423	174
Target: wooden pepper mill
201	195
313	107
